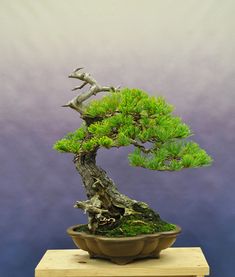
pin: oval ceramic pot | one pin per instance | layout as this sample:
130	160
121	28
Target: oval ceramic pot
123	250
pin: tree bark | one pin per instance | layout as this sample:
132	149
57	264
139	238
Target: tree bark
105	204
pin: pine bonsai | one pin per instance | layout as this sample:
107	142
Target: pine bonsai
125	117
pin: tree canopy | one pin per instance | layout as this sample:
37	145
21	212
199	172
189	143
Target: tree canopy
131	117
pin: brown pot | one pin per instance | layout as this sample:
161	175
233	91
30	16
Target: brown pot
123	250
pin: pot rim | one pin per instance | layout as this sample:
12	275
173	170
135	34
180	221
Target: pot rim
171	233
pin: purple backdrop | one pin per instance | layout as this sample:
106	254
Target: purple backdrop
183	50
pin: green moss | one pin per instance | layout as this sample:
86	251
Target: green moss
130	226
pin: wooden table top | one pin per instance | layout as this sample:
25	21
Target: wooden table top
174	261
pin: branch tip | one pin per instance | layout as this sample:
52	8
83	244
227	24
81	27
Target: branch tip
77	69
81	86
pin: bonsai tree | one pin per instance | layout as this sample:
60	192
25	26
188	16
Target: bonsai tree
125	117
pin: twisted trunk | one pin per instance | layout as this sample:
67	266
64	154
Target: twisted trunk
105	204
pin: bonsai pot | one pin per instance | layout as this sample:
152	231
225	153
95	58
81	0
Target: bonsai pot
123	250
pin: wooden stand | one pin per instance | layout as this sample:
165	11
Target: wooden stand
76	263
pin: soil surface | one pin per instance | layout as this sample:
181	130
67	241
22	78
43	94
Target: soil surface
130	226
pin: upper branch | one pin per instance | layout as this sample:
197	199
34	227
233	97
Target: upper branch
77	102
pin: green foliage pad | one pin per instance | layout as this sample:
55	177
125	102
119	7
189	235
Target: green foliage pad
132	117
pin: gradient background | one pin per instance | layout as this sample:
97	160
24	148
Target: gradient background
183	50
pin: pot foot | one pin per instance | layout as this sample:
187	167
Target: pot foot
156	255
92	255
121	261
